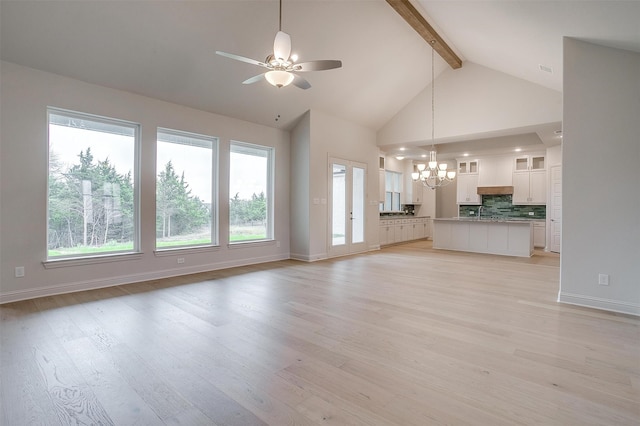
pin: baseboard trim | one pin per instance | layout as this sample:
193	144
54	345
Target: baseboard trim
16	296
308	257
600	303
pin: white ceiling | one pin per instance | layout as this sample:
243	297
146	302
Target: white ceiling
165	49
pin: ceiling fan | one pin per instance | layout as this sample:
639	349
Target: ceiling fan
281	64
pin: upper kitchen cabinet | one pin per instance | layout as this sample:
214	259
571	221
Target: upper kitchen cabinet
529	180
496	171
414	192
468	167
467	182
468	190
526	163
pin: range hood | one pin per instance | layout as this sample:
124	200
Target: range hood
495	190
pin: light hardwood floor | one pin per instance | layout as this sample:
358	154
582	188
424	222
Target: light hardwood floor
404	336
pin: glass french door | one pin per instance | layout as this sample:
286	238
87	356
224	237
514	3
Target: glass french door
347	207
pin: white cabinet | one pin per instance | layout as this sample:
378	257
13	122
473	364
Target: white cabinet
414	190
468	167
411	229
417	195
414	194
539	234
530	188
525	163
468	189
418	229
386	232
400	230
496	171
529	180
467	182
505	238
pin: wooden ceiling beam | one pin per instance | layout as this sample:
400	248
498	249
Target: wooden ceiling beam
410	14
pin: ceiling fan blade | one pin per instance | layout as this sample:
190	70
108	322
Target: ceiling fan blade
253	79
317	65
241	58
300	82
282	46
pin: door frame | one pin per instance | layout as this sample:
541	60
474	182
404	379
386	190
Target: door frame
550	211
348	247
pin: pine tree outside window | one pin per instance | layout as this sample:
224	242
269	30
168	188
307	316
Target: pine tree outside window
92	185
185	180
250	192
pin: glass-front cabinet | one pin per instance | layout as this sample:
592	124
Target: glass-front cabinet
468	167
525	163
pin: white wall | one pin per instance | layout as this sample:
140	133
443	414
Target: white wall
299	183
334	137
473	100
601	177
26	94
447	196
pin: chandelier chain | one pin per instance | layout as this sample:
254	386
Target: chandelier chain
433	174
433	104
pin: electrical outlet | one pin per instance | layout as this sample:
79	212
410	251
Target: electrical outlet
277	243
19	271
181	260
603	279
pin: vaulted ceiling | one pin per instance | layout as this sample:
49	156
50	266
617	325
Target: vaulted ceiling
166	49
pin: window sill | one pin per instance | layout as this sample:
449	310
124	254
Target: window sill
173	251
81	261
248	244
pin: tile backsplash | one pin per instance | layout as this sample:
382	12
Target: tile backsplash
500	206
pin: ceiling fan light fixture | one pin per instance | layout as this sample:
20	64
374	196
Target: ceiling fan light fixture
281	64
279	78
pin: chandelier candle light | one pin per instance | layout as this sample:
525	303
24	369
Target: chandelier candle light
432	174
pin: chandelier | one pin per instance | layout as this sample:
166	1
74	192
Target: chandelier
432	174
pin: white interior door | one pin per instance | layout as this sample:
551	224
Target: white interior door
556	209
347	207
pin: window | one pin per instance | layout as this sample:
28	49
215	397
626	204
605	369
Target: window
92	185
251	192
393	191
185	200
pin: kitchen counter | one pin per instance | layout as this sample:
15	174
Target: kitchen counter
401	216
509	237
491	219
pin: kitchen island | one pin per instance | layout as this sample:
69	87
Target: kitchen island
504	237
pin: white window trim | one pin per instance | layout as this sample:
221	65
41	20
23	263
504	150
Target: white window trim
62	261
215	204
271	156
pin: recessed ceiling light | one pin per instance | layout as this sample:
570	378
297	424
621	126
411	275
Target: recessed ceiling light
466	154
424	156
402	149
399	157
518	149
